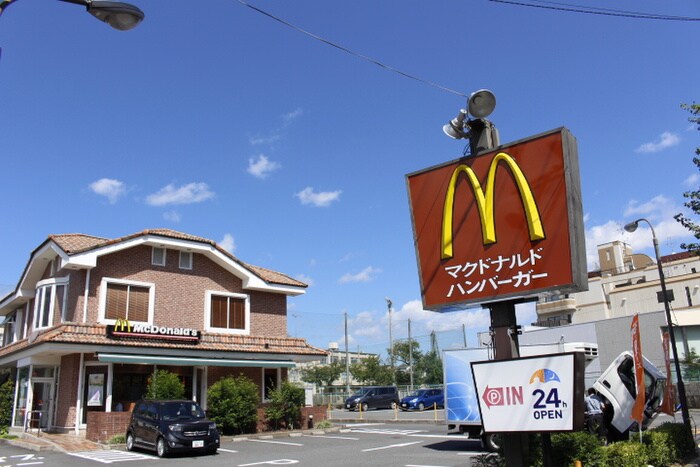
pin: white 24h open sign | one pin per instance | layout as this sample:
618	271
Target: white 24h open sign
529	394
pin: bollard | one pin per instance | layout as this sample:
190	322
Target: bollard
435	414
310	423
359	407
577	463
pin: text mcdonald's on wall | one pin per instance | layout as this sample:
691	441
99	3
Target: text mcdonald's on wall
503	224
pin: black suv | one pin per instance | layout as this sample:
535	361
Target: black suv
171	425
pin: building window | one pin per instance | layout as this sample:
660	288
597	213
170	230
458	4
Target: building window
9	329
126	300
49	301
185	260
228	312
158	256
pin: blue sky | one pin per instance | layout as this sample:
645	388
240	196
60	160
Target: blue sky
213	119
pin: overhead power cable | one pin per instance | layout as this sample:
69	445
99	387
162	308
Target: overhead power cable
595	10
353	53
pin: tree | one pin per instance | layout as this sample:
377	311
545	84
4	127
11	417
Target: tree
322	375
7	394
165	385
285	405
402	356
429	369
371	371
693	197
233	404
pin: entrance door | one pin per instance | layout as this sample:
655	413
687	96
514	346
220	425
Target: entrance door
42	404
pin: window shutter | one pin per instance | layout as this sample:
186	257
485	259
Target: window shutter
237	314
218	311
115	307
138	303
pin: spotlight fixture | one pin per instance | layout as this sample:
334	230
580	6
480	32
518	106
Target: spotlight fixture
481	133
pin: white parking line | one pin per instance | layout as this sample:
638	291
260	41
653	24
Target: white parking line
391	446
108	457
227	450
275	442
333	437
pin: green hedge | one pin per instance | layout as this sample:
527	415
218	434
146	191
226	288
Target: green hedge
665	445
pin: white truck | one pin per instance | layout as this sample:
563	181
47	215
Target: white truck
461	404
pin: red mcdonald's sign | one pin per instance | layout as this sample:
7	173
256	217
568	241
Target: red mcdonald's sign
502	224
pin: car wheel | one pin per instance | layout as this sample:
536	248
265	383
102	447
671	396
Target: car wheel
394	404
421	406
365	407
211	451
162	447
129	442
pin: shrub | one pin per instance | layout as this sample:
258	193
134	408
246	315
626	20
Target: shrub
165	385
7	393
580	445
323	424
117	439
285	406
627	454
233	404
669	443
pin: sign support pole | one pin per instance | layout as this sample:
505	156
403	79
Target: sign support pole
505	340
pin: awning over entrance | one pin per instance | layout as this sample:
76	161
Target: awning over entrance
189	361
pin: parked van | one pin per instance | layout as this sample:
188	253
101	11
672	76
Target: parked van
373	397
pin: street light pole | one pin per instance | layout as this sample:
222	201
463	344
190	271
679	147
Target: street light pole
391	342
119	15
631	227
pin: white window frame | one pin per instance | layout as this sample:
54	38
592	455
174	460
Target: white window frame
153	255
207	313
103	298
185	254
42	287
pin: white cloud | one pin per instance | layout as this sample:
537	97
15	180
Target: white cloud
365	325
366	275
228	243
110	188
665	141
692	181
172	216
658	210
657	205
442	322
273	137
186	194
322	199
305	279
262	166
288	118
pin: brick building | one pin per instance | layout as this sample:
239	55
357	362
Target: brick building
91	319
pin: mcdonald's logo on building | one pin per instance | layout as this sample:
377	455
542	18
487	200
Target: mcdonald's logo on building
123	325
503	224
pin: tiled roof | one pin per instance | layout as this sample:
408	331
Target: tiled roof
79	243
97	335
74	243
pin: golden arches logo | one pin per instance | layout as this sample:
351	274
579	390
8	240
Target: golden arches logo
484	202
122	325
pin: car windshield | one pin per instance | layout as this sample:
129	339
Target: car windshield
361	392
419	393
181	411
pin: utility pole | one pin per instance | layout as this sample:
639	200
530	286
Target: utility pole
410	355
347	357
